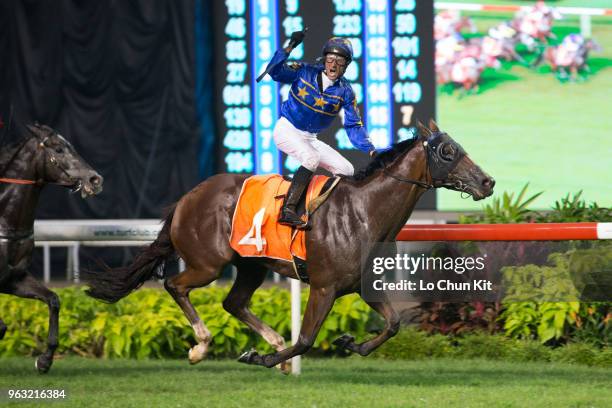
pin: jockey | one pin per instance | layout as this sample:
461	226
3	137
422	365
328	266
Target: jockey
318	94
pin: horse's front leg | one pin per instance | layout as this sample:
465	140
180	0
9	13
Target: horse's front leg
28	287
319	304
392	324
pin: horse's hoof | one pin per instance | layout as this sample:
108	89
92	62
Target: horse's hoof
2	332
43	364
248	357
285	367
343	341
197	353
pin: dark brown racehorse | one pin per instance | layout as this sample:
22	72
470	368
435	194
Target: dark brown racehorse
362	211
37	157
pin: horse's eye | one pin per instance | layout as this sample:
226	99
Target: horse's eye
59	150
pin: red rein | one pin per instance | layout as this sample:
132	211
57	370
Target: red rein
16	181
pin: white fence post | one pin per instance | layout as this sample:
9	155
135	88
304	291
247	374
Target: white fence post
76	265
296	299
46	263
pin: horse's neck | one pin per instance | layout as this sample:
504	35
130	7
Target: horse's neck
17	201
392	201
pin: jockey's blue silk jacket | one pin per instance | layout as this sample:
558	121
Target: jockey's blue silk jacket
309	109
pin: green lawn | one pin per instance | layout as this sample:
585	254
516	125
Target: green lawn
526	126
354	382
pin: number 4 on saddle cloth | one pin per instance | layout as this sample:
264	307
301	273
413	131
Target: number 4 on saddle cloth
255	230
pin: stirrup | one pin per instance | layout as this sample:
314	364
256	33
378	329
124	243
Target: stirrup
290	218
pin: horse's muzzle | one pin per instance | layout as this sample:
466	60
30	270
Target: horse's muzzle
485	189
90	184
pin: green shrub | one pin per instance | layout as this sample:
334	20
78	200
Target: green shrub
573	209
506	209
603	358
576	353
413	344
528	350
482	345
149	324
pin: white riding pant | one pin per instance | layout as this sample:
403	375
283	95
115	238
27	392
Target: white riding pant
308	150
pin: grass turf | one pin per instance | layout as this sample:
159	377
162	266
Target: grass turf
354	382
524	125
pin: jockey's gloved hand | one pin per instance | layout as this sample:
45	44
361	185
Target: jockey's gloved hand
296	38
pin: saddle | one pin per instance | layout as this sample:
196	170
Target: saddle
255	230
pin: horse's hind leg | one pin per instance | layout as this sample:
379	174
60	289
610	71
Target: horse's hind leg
179	287
30	288
247	281
2	329
392	324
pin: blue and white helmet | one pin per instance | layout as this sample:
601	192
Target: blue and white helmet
340	46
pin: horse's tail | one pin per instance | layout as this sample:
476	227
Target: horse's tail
112	284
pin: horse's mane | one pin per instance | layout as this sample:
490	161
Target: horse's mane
385	158
12	139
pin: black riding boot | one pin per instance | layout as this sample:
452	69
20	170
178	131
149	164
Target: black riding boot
288	215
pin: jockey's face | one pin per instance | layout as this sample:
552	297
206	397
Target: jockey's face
335	66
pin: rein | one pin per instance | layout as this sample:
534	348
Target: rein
421	184
407	180
17	181
439	164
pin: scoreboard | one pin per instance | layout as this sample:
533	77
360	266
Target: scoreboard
392	73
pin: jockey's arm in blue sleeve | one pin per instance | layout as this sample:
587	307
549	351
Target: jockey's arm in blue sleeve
357	133
281	71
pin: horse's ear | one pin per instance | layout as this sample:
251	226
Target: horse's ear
423	131
433	126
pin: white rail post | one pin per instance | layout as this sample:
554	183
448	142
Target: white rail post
69	268
76	265
46	263
296	299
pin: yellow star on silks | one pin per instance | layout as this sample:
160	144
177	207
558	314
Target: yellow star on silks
336	106
302	92
320	102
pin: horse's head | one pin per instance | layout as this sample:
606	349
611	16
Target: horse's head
450	167
59	163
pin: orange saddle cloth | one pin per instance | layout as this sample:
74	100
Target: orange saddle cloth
255	230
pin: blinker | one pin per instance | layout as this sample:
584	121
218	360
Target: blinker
441	164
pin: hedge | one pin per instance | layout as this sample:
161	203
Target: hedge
148	324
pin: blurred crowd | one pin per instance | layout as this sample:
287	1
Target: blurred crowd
461	61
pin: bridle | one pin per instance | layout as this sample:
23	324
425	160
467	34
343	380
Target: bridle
16	235
439	163
47	157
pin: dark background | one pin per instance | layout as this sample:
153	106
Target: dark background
118	80
126	83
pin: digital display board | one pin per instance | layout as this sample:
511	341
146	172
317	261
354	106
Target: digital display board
391	74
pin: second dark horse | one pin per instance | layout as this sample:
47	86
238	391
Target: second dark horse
362	211
38	157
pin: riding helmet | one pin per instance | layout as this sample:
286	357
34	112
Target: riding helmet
340	46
